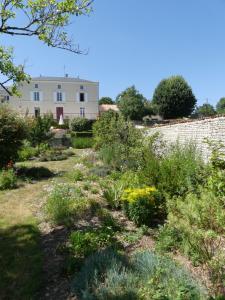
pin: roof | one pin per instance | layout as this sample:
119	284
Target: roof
62	79
107	107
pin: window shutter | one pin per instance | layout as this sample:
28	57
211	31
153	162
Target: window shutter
86	97
55	96
63	96
32	96
41	96
78	94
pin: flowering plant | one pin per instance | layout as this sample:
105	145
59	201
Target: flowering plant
133	194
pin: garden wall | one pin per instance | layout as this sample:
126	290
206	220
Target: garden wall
196	131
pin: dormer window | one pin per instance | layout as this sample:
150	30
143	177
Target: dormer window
36	86
81	87
59	86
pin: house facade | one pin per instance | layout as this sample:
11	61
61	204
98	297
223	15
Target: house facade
66	96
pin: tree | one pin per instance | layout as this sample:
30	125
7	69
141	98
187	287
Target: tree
220	106
44	19
131	104
106	100
205	110
174	98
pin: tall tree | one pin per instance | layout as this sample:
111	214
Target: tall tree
174	98
220	106
45	19
106	100
131	104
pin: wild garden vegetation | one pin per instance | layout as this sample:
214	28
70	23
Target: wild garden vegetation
132	210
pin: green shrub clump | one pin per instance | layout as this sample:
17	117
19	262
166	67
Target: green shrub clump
141	205
82	142
8	179
64	204
118	141
110	275
27	151
85	243
81	124
39	129
13	131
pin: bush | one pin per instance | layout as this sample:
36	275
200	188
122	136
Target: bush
82	142
109	275
81	124
60	205
13	131
113	194
118	140
183	160
140	205
27	151
8	179
199	221
55	155
82	244
39	130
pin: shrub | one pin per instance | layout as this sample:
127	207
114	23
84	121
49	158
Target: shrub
81	124
140	204
39	130
76	175
82	244
27	151
199	221
101	171
183	160
63	204
110	275
82	142
8	179
13	131
54	155
118	140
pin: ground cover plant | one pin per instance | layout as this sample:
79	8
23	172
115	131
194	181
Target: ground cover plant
111	275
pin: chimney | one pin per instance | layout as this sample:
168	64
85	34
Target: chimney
66	75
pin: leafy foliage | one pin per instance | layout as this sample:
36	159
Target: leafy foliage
82	142
45	20
220	106
8	179
141	205
131	104
118	140
39	130
174	98
105	100
13	131
109	275
81	124
205	110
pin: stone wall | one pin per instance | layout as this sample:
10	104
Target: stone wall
196	131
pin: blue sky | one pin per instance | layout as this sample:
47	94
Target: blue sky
139	42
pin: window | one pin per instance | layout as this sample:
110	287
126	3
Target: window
6	98
81	87
36	86
82	112
37	112
59	96
36	96
59	86
81	97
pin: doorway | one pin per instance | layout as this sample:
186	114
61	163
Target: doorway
59	112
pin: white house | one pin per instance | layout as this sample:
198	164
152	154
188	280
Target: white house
66	96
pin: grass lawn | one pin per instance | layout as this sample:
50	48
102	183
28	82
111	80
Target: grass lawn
20	247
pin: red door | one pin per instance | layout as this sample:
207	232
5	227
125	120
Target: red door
59	112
